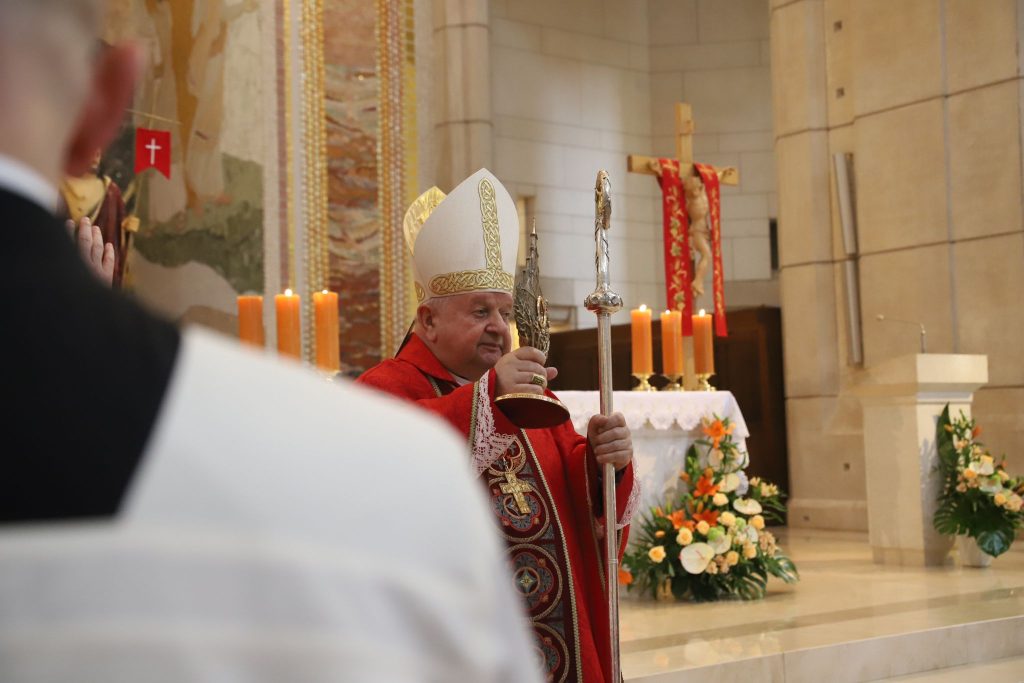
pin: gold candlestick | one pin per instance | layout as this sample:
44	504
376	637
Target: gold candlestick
643	385
675	383
702	382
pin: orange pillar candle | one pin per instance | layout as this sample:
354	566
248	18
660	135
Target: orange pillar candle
289	329
672	343
703	349
250	319
640	326
325	307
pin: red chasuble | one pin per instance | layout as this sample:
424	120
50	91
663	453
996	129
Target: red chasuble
546	498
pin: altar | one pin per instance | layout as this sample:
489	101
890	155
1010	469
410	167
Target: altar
663	424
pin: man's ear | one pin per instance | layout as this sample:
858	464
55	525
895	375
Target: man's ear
426	316
117	69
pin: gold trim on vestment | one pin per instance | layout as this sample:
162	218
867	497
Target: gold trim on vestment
565	550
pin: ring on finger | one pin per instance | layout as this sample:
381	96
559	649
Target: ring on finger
538	379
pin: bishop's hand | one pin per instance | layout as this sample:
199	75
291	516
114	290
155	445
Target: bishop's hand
522	372
610	440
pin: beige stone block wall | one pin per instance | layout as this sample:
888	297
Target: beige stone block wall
460	90
1000	411
897	50
798	76
981	43
838	63
810	349
900	177
910	284
803	162
931	109
827	483
984	161
823	425
989	277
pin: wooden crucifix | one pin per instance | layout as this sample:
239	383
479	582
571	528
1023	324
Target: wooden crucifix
691	203
638	163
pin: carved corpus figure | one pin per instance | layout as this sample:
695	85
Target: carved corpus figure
700	230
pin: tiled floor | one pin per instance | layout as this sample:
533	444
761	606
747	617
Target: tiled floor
848	619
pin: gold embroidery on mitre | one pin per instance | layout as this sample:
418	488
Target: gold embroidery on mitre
492	277
418	213
420	294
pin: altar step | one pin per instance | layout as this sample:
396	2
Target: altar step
1010	670
847	621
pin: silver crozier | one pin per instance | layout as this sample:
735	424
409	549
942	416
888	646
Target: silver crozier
603	301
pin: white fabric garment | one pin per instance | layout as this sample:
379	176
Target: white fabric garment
280	528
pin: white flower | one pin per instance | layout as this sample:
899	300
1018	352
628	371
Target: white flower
747	506
720	499
720	544
981	466
1014	502
715	458
741	490
990	484
696	557
730	482
751	534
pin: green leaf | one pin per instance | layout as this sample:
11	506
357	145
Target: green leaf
995	542
944	445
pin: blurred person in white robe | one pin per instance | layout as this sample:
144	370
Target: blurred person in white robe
227	531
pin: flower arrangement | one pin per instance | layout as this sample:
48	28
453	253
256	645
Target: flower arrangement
711	541
979	498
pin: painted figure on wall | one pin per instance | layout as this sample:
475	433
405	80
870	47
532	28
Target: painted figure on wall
97	197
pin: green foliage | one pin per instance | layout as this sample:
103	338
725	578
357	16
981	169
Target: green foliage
978	498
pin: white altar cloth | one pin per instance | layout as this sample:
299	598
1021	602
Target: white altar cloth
663	424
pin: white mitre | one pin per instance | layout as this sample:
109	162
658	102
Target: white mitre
464	242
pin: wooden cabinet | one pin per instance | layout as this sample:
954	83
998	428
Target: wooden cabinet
748	363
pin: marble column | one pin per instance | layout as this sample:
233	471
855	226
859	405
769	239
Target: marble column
461	103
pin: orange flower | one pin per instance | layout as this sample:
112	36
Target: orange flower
709	516
625	578
716	430
678	518
705	487
976	431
